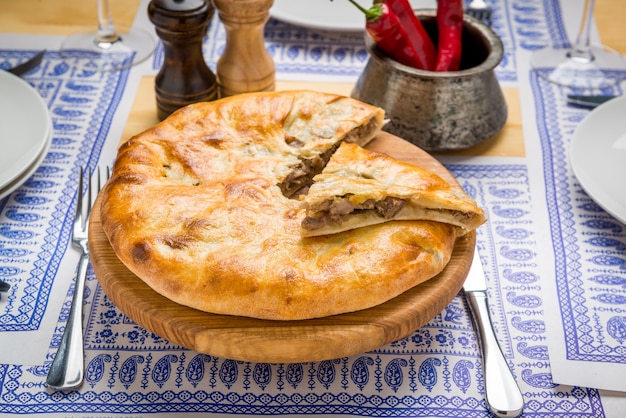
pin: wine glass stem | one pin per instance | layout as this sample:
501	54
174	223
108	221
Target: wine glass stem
106	35
581	52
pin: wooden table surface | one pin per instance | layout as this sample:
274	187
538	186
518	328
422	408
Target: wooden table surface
59	17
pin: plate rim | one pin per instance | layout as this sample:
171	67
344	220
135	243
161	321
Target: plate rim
36	102
277	11
283	10
580	165
7	189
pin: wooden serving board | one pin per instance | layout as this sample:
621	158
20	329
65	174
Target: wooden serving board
256	340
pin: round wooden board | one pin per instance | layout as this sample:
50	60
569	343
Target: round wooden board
256	340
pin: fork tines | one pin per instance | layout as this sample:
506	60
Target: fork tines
479	9
93	187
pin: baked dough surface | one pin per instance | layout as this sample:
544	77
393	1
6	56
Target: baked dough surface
195	209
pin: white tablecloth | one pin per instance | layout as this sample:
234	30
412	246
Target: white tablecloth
562	329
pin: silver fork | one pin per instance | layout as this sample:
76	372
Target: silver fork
68	367
480	10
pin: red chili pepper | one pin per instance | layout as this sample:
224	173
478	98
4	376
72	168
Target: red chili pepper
450	25
423	45
387	31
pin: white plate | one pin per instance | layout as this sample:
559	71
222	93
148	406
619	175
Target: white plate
327	14
29	171
598	156
25	128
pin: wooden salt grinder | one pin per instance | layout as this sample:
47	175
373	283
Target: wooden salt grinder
245	65
184	77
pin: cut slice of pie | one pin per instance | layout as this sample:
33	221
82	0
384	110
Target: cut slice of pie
360	188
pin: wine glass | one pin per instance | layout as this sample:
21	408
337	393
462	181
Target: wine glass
583	66
114	50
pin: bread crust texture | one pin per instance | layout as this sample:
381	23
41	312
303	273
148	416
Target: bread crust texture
195	209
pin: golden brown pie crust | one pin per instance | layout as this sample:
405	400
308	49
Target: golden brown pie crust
194	209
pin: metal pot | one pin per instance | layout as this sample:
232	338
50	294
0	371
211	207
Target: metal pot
439	111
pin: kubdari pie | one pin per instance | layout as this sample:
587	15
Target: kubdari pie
207	208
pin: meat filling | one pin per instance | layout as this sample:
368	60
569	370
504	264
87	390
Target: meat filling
301	175
360	132
334	211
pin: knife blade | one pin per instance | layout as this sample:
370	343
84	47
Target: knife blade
502	394
27	65
588	101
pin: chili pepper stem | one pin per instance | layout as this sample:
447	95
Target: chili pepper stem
373	13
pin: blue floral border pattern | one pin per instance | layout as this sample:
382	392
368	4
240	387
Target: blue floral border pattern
130	370
530	24
589	244
82	103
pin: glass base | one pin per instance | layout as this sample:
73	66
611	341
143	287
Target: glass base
131	48
564	67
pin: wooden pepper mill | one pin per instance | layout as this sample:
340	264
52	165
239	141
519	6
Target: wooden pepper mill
184	77
245	65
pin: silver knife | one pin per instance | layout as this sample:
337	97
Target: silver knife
28	65
589	101
502	394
